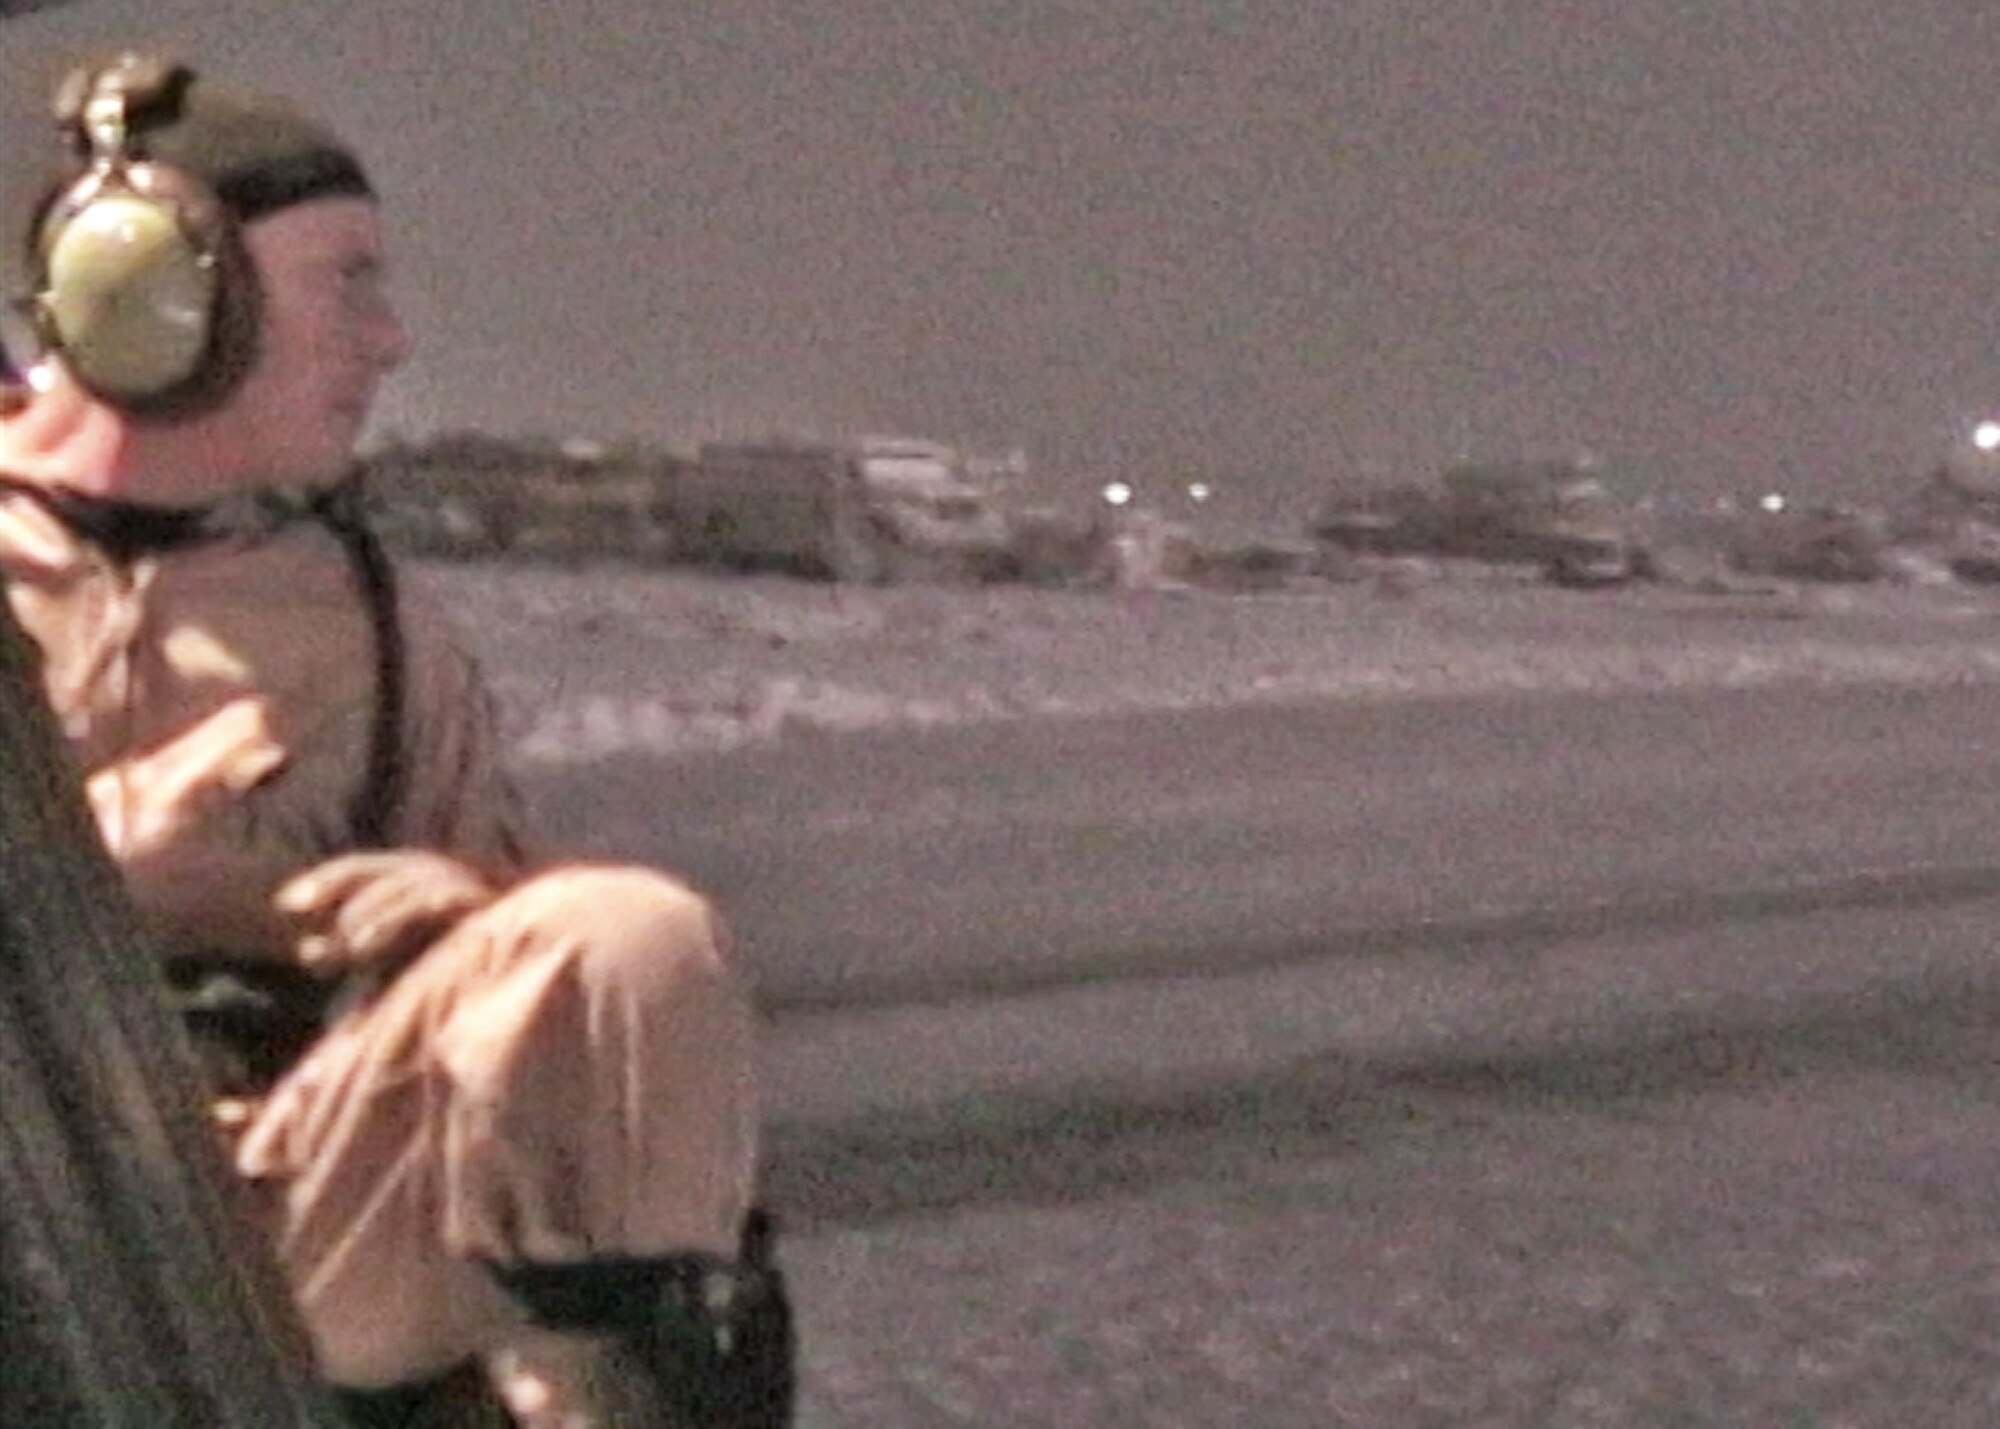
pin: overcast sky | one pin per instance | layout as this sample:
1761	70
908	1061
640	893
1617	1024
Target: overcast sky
1273	243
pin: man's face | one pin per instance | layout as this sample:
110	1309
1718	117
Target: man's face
330	335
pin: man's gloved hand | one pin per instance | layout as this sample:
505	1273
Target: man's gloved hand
379	909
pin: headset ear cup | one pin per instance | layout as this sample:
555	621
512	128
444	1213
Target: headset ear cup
144	287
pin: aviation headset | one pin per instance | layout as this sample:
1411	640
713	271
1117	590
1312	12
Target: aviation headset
141	281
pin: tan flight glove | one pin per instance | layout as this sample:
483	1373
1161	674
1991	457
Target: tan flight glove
380	909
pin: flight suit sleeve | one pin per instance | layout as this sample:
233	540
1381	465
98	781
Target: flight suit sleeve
212	820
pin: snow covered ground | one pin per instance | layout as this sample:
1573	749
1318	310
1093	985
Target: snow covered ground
606	659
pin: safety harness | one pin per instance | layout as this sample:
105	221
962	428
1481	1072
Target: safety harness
251	1019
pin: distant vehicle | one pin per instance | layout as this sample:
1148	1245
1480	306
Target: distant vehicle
873	510
1593	562
782	505
1400	518
1833	542
1554	514
1535	511
1973	553
930	509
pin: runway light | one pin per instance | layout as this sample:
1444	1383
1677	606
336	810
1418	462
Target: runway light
1199	491
1986	436
1117	493
1772	501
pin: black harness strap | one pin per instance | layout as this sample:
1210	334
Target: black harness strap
122	530
376	805
252	1021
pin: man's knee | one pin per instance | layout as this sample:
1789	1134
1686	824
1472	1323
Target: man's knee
603	1078
635	931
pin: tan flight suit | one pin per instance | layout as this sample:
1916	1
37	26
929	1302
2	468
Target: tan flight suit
566	1073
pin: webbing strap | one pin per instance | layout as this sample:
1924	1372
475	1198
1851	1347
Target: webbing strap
378	802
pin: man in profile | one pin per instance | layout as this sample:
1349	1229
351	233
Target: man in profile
500	1109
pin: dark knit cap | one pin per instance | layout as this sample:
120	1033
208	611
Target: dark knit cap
257	153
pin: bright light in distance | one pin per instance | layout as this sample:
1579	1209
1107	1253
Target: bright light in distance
1199	491
1986	436
1117	493
1772	501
